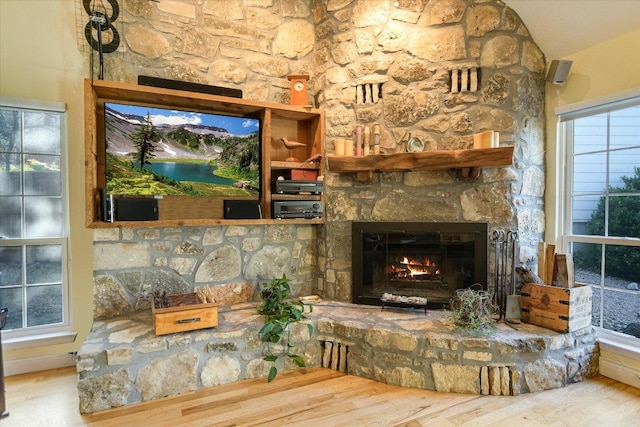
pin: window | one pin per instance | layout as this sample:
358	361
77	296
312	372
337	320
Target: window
601	226
33	212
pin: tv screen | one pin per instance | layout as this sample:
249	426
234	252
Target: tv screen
162	151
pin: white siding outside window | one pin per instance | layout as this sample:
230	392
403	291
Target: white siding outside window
601	214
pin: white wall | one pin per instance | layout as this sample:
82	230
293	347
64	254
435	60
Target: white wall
39	59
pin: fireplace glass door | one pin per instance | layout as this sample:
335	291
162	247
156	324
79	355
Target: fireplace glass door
427	260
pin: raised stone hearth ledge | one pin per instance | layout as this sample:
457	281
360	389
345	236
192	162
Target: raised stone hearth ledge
122	362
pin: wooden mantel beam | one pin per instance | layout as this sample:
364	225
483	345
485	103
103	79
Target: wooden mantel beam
426	160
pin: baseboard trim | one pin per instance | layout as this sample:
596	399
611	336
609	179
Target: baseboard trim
614	370
24	365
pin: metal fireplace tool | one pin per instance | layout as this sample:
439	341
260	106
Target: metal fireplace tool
504	292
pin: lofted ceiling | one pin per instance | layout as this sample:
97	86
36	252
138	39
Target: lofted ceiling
563	27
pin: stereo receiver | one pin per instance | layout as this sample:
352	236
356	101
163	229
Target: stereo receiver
297	209
298	187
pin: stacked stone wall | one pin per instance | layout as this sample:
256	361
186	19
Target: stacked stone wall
244	44
446	69
407	52
131	265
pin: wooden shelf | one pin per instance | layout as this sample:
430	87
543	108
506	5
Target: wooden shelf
427	160
204	222
281	165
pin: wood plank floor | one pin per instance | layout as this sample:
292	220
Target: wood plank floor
321	397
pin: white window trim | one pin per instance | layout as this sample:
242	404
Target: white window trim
33	104
60	333
613	340
595	105
38	340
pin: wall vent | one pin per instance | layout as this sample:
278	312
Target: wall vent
465	80
369	89
496	381
334	356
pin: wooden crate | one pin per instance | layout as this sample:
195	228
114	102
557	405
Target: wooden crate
559	309
184	314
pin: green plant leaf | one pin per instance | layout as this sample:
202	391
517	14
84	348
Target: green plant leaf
297	360
266	329
272	374
310	329
280	311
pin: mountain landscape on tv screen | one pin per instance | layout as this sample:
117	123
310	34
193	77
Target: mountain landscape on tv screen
184	153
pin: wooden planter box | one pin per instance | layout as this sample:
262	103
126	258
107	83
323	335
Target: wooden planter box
184	314
559	309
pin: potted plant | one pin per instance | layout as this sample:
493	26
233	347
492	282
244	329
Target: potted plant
472	310
280	311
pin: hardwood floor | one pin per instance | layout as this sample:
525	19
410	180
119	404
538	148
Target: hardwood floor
321	397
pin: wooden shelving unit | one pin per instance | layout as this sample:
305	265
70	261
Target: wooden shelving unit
295	123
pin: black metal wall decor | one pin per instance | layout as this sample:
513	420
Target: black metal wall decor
101	22
100	31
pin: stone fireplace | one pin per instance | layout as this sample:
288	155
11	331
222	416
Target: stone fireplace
416	54
417	259
410	51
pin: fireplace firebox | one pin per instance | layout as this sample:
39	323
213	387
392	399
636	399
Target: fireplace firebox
408	259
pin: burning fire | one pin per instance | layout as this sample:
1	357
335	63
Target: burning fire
412	269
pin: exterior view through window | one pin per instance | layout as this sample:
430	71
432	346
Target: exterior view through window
602	212
33	224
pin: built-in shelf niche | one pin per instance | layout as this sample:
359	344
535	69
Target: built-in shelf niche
296	123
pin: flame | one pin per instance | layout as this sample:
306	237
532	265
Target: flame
411	268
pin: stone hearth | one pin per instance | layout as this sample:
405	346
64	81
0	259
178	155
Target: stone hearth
122	362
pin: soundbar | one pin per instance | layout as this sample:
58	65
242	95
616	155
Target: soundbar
189	86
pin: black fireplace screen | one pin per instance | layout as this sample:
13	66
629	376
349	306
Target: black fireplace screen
428	260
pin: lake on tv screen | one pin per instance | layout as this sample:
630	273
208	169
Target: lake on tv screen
198	153
194	172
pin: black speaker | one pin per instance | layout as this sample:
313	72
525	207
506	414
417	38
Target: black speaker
136	209
242	209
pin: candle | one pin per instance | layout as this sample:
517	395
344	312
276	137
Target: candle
367	138
358	140
376	139
339	147
348	147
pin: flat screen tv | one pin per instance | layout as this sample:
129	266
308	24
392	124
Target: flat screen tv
154	151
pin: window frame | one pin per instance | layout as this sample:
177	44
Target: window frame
59	332
564	201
